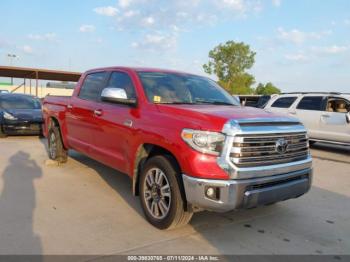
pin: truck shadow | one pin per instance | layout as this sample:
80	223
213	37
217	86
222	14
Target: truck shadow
120	182
17	204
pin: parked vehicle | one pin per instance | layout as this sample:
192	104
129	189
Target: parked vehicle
20	115
184	141
325	115
258	101
3	91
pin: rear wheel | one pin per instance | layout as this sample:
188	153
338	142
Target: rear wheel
56	150
160	194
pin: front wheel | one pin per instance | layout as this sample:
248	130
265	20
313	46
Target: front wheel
160	194
57	151
2	134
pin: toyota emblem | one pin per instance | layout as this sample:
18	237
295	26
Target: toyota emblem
281	145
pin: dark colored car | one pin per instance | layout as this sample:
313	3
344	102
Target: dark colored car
20	115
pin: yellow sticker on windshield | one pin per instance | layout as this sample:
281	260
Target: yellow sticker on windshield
157	99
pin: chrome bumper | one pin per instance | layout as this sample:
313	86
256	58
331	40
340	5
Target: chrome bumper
247	193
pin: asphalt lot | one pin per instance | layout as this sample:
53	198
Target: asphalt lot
84	207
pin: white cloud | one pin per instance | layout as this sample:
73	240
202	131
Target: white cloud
236	8
156	41
175	28
148	21
87	28
276	3
43	37
347	22
187	14
131	13
334	49
158	16
106	10
210	19
124	3
299	57
182	14
298	37
238	5
27	49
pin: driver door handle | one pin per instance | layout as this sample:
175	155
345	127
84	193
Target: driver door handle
128	123
325	115
98	112
69	106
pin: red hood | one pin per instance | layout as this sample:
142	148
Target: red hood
215	115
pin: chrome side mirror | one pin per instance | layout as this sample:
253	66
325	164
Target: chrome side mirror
347	116
117	95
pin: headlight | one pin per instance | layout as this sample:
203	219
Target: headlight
8	116
204	141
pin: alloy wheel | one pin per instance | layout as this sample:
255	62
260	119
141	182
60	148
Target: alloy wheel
157	193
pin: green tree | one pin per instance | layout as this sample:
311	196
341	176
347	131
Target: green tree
229	63
267	89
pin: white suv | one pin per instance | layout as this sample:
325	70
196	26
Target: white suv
325	115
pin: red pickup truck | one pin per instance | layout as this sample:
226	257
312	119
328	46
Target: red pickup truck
184	141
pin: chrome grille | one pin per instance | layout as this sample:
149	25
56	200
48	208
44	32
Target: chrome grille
250	150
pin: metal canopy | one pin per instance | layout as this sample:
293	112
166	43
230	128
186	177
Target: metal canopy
38	74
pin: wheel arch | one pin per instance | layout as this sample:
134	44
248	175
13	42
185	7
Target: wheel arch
145	152
53	121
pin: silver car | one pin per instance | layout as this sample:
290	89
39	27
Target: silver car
325	115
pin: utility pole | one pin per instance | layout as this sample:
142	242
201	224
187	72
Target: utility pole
11	58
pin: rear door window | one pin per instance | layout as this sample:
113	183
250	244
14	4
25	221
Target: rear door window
284	102
338	105
92	86
314	103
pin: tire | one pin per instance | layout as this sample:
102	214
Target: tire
166	196
41	134
2	134
57	151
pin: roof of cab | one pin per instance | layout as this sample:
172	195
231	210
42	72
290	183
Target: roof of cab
141	69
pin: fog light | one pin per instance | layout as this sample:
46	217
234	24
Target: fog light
212	193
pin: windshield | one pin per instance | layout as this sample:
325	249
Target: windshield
175	88
19	102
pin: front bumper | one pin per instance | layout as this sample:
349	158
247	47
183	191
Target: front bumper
246	193
22	128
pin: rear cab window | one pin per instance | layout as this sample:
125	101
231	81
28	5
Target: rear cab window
92	86
284	102
314	103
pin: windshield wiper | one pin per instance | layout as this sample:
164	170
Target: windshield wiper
175	103
213	102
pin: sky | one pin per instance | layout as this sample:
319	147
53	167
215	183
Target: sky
301	45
